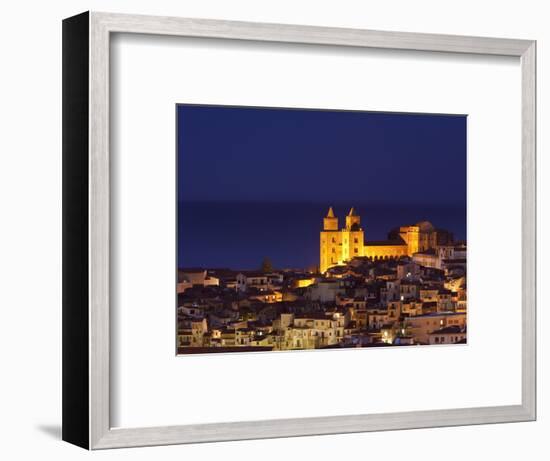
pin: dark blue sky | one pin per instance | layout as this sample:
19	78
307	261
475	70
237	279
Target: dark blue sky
396	169
230	153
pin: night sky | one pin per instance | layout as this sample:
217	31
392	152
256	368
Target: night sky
307	160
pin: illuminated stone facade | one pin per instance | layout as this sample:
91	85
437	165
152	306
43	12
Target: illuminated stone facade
337	246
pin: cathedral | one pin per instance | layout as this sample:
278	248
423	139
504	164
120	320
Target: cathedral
341	245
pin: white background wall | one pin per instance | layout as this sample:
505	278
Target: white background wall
30	228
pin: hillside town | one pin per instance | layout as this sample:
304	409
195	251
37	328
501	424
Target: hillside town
408	290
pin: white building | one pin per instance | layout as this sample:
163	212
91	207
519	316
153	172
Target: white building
246	280
325	291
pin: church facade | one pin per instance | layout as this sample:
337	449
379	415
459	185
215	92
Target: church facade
338	245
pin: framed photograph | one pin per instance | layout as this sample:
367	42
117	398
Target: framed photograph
277	230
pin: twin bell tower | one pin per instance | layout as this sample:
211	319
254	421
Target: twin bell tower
339	245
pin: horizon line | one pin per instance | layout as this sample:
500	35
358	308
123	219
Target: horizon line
318	202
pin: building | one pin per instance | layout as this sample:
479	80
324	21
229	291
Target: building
188	278
339	245
325	291
442	256
427	258
252	279
452	334
267	296
421	326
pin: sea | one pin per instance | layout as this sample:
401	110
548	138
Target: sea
239	235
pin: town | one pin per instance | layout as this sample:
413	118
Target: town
407	290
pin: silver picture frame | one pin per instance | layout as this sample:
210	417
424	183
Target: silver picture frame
86	229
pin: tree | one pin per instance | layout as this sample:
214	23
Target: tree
266	265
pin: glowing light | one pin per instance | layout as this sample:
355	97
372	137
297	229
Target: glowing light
304	283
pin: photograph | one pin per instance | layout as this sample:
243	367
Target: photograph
302	229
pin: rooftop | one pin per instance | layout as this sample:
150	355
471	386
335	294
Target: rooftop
373	243
451	329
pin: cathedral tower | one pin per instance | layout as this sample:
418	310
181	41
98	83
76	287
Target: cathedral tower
353	237
352	220
330	223
340	245
330	242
